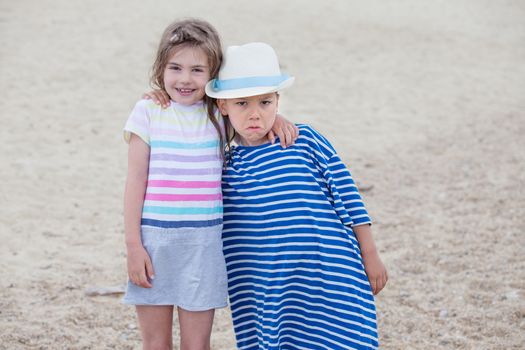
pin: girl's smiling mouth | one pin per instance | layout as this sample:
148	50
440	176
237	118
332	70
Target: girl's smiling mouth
185	92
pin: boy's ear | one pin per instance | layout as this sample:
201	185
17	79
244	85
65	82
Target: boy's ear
222	107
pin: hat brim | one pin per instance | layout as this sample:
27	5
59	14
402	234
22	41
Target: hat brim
245	92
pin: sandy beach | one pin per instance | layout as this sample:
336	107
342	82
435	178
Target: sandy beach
424	100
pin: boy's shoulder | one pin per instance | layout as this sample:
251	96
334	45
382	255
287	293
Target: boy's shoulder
304	128
314	139
307	132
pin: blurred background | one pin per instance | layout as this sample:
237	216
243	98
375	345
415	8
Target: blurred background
424	100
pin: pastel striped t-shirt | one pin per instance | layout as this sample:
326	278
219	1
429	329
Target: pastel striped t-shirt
185	165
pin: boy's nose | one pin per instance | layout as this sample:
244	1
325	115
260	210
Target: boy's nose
254	114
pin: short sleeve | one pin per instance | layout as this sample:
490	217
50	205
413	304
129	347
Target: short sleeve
346	199
138	122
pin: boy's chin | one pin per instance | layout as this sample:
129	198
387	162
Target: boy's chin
252	140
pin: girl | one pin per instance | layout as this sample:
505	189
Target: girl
173	200
302	265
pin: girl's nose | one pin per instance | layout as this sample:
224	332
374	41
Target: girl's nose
185	76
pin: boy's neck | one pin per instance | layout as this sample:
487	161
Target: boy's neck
243	142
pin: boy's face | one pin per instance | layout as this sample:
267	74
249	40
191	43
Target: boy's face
251	117
186	75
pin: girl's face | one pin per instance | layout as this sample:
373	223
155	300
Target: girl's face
251	117
186	75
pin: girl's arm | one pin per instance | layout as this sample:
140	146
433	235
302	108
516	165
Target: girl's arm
374	267
287	131
160	97
140	269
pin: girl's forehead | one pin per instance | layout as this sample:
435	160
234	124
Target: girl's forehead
188	53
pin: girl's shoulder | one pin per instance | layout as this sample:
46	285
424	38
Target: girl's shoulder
146	106
146	103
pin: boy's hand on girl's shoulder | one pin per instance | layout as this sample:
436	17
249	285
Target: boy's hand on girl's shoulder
140	268
375	270
160	97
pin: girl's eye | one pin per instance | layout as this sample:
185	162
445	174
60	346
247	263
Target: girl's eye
174	68
198	70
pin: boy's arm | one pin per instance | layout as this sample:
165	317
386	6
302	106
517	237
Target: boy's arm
374	267
139	262
350	208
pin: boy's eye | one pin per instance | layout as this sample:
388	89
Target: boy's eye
266	102
240	103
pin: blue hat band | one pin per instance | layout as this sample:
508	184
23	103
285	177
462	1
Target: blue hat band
248	82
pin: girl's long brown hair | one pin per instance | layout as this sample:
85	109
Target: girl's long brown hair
191	32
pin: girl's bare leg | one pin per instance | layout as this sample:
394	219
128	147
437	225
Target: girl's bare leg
156	326
195	329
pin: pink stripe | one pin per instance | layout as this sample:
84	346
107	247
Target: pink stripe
184	184
183	197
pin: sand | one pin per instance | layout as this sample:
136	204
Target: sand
424	100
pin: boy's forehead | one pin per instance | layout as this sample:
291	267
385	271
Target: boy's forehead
258	97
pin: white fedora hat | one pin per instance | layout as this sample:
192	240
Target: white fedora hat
248	70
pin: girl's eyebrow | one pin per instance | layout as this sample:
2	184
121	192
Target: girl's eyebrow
194	66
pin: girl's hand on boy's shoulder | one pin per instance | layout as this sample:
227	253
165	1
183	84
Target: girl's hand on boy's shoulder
287	131
140	268
375	270
160	97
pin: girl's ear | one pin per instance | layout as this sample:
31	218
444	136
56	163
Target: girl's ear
222	107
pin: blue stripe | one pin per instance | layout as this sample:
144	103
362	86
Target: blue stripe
185	145
248	82
177	224
292	312
266	272
337	300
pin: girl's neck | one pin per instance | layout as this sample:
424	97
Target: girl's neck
196	104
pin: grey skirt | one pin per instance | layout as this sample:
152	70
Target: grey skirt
190	271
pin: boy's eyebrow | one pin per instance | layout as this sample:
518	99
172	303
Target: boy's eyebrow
266	96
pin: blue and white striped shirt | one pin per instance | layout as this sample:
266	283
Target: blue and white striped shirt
295	274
